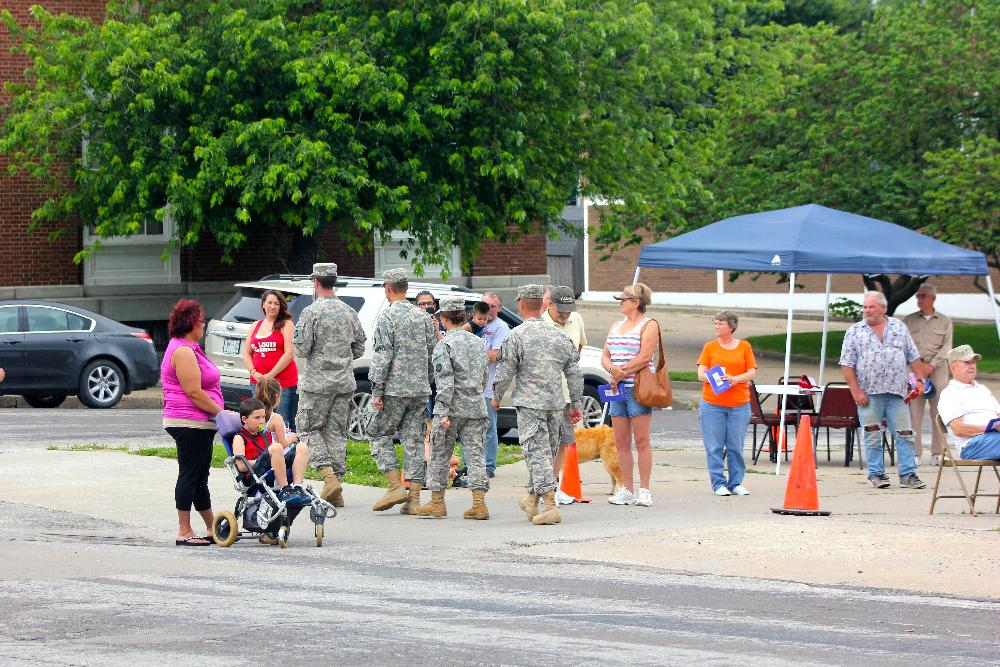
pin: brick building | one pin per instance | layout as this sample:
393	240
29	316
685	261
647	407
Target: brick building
128	280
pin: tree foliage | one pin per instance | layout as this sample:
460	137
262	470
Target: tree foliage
456	122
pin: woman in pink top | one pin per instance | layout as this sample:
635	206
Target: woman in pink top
192	397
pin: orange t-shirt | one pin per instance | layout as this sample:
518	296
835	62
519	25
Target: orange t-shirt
736	362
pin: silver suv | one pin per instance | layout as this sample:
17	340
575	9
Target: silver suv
227	331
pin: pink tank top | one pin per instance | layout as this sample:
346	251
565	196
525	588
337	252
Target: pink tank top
176	404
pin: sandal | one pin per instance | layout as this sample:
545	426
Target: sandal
190	542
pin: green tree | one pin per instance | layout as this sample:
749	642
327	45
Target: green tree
454	121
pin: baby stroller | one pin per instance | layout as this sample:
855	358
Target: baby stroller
259	508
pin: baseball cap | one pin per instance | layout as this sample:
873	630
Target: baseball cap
963	353
530	292
563	299
325	270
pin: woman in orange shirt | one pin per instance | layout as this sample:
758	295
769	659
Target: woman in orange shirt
725	416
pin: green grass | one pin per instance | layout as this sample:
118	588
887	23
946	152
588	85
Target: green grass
684	376
88	447
982	338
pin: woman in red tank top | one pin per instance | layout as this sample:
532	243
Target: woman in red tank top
269	352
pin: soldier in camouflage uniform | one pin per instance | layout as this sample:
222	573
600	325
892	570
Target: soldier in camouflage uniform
538	356
328	337
459	412
400	375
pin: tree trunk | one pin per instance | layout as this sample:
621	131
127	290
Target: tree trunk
896	291
302	254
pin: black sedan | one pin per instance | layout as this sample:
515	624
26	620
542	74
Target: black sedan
50	350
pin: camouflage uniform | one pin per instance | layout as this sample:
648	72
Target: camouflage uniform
537	356
460	373
400	374
328	337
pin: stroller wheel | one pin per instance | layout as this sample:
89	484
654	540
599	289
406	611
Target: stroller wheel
319	534
283	537
224	529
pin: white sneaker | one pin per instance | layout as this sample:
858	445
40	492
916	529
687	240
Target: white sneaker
644	498
564	498
622	497
741	490
916	460
722	491
936	460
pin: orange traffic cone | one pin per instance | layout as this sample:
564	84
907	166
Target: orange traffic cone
802	494
570	484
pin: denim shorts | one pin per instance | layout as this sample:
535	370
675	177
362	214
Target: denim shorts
629	407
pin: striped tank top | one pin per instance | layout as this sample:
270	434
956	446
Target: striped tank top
624	347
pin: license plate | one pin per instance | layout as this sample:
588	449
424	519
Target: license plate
231	345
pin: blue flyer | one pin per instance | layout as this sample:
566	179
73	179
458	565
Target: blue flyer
609	395
714	375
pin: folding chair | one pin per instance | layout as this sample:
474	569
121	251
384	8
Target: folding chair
948	459
837	410
759	418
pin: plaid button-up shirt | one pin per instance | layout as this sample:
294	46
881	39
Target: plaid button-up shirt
879	364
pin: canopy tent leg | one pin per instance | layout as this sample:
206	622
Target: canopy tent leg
826	323
782	435
635	281
993	302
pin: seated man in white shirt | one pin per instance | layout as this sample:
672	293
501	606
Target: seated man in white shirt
967	407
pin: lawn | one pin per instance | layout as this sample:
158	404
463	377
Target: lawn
360	465
982	338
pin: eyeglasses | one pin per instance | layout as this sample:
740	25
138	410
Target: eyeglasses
626	298
425	304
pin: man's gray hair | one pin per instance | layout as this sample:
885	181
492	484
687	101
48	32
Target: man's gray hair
928	287
494	294
879	295
549	288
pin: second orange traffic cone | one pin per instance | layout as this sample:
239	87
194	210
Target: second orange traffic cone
802	494
570	484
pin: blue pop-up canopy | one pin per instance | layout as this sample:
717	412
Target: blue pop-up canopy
812	239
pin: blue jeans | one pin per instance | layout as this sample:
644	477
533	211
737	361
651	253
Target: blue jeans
985	446
491	442
723	430
288	405
891	408
629	407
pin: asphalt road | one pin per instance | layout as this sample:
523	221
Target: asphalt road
72	593
33	428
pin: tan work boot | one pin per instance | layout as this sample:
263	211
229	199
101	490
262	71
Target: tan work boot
478	509
413	499
529	504
332	492
435	507
394	495
550	514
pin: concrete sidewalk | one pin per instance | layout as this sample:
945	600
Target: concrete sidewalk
874	538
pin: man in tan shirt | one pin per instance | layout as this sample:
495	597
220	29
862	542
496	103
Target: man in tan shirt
931	332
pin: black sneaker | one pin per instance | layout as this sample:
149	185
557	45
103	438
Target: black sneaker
911	482
881	480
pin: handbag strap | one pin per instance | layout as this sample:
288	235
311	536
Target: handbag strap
661	362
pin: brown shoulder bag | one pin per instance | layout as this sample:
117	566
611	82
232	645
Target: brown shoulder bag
653	389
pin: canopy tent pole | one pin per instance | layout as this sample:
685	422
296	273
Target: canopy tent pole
635	281
784	397
826	322
993	302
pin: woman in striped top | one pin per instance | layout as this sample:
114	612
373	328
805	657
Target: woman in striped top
630	346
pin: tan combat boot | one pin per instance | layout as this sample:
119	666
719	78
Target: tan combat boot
550	514
529	504
435	507
413	499
332	492
478	509
394	495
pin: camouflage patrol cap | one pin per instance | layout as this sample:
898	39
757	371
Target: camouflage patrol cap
328	270
452	304
530	292
395	276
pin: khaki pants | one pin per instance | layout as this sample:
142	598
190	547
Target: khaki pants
940	380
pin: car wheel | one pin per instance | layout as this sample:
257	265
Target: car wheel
592	408
102	384
44	400
361	411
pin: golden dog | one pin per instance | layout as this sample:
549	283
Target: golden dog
592	443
